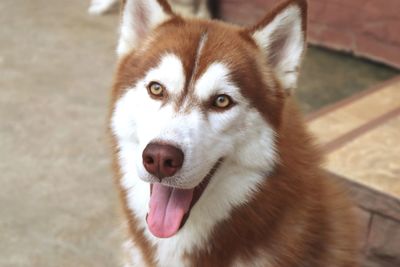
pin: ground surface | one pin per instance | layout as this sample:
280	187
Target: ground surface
58	206
57	200
361	139
329	76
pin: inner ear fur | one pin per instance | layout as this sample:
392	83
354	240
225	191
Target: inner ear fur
138	19
281	36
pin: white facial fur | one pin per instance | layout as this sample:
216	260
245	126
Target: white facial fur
239	135
286	26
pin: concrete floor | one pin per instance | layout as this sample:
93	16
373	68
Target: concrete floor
58	205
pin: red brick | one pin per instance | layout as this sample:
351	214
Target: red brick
332	38
314	32
384	31
384	241
316	11
243	12
370	12
394	33
377	9
369	28
350	4
364	222
341	16
377	50
370	199
266	4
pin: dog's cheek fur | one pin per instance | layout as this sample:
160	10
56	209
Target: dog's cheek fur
256	149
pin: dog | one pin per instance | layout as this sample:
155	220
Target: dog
213	161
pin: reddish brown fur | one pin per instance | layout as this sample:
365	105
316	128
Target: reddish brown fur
299	216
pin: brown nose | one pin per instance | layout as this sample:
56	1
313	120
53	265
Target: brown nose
162	160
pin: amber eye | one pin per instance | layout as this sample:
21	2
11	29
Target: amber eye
222	101
156	89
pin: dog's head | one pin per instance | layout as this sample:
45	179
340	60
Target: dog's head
190	94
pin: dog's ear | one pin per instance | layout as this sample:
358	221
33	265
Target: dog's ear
139	17
281	35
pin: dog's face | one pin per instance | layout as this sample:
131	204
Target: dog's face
191	94
195	100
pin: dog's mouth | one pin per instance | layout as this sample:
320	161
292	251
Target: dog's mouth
169	207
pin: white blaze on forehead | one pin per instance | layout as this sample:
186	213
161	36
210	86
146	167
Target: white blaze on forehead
200	47
216	80
169	73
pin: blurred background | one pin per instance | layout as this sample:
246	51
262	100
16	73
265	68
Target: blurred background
58	203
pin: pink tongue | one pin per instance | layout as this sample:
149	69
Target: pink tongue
168	205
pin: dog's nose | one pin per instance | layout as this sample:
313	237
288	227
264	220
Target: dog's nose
162	160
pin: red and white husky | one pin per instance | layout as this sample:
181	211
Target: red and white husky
213	161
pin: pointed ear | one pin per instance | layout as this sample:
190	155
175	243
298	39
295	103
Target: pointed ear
139	18
281	35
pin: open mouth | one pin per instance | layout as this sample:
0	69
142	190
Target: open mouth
170	207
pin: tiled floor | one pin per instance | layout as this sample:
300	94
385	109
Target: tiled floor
361	137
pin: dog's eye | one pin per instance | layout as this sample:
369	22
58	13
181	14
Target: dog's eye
222	101
156	89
